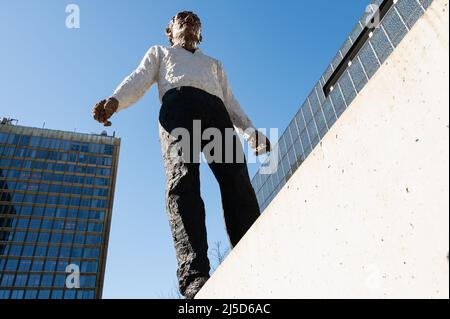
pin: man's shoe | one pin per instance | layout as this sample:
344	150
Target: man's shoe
194	287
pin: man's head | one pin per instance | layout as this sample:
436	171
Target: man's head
185	29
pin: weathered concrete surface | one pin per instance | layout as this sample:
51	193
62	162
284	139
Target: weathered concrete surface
366	215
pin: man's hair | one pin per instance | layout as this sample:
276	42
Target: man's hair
182	13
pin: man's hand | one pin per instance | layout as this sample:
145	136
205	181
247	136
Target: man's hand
261	143
104	109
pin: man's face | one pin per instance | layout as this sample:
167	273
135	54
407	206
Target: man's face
186	30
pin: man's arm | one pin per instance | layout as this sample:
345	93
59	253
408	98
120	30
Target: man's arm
241	121
132	88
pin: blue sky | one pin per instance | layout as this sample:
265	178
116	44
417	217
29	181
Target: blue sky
273	53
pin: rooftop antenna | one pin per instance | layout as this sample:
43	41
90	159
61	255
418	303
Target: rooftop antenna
8	121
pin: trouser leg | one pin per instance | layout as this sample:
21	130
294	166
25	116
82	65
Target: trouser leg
239	201
185	207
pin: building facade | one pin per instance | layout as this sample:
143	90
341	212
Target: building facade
363	52
56	199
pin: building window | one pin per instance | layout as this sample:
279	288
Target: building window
31	294
47	281
87	281
40	251
79	239
50	265
44	294
60	281
7	280
25	265
34	280
12	264
57	294
21	280
52	251
17	294
69	294
91	253
38	265
3	137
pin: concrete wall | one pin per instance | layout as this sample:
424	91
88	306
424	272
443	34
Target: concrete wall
367	214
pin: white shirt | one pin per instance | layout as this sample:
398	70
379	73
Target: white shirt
175	66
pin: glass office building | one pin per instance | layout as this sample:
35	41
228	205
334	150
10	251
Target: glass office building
56	198
365	49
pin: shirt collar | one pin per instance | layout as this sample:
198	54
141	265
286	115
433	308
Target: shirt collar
197	50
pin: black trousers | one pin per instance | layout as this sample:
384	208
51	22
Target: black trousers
185	207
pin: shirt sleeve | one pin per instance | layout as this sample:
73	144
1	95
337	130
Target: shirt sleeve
134	86
240	120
